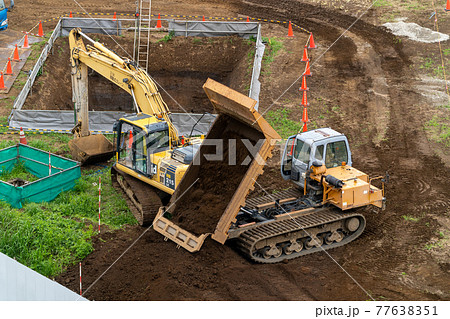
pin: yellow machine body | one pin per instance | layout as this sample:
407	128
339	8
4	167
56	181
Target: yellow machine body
356	190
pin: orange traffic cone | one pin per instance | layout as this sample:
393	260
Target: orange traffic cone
307	69
312	45
41	30
447	8
2	82
305	99
70	14
203	18
305	115
22	138
305	54
25	42
304	87
114	16
9	70
305	128
130	139
16	54
158	23
248	19
290	32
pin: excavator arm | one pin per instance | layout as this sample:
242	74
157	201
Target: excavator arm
122	72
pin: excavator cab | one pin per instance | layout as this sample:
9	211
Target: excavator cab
324	145
140	140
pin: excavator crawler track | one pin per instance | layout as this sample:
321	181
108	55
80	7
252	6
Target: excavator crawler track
324	228
142	199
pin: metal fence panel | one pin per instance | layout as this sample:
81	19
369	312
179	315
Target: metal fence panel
18	282
20	100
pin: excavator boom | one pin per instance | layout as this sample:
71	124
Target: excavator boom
122	72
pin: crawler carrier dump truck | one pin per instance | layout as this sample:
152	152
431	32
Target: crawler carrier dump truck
319	214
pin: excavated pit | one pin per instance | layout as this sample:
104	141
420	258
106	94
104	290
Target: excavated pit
181	66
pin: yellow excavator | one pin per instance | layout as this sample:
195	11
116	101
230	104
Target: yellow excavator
151	157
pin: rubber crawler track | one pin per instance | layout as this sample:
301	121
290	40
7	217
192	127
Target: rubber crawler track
247	241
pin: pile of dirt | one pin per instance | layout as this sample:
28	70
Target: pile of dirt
179	66
201	207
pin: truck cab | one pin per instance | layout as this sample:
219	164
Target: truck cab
4	13
324	145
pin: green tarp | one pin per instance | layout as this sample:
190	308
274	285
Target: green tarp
64	173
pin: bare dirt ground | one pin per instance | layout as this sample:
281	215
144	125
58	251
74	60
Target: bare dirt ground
364	85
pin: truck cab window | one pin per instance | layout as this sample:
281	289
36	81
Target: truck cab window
319	153
336	154
302	151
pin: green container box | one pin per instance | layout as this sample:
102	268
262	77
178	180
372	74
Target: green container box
64	173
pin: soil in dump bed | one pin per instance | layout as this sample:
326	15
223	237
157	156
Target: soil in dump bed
201	207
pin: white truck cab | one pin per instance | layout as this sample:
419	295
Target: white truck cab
324	145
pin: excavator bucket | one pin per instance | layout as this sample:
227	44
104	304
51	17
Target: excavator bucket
222	173
91	149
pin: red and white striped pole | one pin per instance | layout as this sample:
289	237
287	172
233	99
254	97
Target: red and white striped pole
99	199
49	164
81	290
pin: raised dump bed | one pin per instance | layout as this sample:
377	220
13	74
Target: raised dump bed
212	191
48	175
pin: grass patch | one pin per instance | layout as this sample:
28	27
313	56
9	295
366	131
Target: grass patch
382	3
439	129
43	241
18	171
280	121
273	47
48	237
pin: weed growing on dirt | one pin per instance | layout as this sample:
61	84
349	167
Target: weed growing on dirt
382	3
18	171
280	121
439	129
167	37
273	47
410	218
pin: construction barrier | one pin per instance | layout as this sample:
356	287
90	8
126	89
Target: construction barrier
63	171
213	28
52	121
